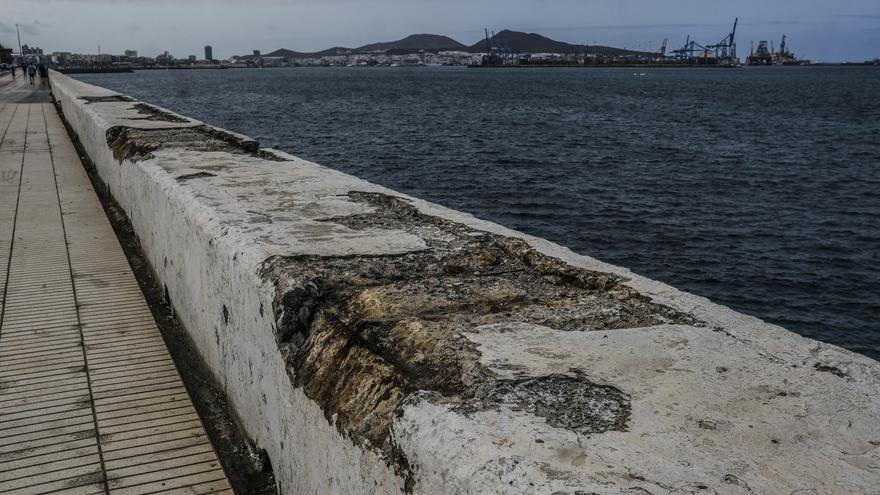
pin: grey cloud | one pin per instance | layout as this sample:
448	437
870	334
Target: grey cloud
29	29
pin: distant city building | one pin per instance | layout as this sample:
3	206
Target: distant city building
131	53
164	59
256	53
26	50
6	55
209	53
272	61
62	58
192	58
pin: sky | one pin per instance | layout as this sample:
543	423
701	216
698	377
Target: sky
828	31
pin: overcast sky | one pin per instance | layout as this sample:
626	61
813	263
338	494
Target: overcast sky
823	30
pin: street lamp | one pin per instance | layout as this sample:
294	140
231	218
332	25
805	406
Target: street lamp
20	55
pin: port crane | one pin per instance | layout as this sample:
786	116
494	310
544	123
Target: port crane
662	52
690	50
499	53
725	50
721	53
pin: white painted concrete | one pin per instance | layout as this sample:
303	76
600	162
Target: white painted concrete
738	409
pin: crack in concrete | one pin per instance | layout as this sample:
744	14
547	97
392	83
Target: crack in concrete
135	144
154	113
197	175
106	99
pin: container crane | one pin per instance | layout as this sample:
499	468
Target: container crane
722	53
725	50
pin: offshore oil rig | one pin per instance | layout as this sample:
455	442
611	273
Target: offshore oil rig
769	56
722	54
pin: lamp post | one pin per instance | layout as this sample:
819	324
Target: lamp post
20	55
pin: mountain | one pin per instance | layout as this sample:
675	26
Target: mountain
329	52
291	54
412	43
415	42
514	40
284	52
535	43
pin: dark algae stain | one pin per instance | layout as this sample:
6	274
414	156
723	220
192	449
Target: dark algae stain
569	402
361	334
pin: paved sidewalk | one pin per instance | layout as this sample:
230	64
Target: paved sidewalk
90	400
19	90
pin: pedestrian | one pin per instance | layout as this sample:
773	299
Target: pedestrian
12	68
31	72
44	75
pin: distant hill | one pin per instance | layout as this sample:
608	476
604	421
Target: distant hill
412	43
515	40
427	42
284	52
336	50
535	43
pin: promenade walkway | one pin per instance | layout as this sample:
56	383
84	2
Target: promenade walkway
18	90
90	400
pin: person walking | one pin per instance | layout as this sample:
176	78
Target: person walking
44	74
31	72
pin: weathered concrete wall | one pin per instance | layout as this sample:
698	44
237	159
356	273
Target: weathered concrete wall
375	343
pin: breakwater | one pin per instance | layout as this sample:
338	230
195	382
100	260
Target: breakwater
371	342
774	218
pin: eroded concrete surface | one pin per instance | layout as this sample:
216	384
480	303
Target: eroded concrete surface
360	334
375	343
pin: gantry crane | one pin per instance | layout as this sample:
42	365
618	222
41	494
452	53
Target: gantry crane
721	53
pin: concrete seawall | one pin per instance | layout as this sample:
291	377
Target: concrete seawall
372	342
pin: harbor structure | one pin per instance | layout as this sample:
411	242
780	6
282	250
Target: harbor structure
765	55
722	54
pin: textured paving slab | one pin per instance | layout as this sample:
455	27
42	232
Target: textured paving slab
90	400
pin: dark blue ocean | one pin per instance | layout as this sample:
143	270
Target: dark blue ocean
758	188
